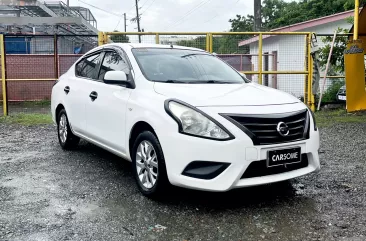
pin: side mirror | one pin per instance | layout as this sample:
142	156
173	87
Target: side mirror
117	78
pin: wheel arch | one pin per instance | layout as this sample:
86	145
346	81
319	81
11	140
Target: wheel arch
138	128
58	109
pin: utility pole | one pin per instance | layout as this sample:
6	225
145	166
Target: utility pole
68	3
138	19
124	15
257	16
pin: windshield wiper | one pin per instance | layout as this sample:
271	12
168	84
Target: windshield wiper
171	81
188	55
213	82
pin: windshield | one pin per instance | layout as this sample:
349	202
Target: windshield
184	66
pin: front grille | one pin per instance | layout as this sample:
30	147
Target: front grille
262	129
260	169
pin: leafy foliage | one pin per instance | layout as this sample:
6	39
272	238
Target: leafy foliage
226	44
337	59
278	13
120	38
199	42
275	14
329	95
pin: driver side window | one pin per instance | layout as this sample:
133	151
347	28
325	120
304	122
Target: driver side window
113	61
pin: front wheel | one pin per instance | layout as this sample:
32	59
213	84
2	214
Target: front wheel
66	138
149	165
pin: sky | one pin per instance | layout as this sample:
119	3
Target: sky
168	15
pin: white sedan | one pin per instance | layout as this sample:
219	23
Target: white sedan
183	117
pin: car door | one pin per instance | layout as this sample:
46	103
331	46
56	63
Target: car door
106	108
76	90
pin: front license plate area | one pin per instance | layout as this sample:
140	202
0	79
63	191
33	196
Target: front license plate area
283	157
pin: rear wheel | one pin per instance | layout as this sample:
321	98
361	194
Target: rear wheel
66	138
149	165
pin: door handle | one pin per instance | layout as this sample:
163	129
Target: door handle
93	95
67	89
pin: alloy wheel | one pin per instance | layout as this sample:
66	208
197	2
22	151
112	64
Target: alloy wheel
146	164
62	129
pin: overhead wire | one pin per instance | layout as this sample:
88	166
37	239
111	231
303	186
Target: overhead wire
101	9
217	14
115	28
144	3
109	12
181	20
148	6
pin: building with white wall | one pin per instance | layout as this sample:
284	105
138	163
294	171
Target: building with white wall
287	52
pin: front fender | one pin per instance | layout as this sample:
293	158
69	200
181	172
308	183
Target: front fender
149	108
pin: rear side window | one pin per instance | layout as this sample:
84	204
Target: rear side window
113	61
88	67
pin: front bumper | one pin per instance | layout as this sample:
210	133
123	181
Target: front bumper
180	150
341	97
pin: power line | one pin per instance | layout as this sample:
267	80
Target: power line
209	20
180	21
131	8
144	4
101	9
115	28
148	6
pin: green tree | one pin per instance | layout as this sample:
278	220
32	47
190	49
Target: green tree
278	13
337	60
242	23
119	38
228	44
199	42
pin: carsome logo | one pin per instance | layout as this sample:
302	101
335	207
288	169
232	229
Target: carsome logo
284	157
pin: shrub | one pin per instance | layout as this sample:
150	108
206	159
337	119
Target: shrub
329	95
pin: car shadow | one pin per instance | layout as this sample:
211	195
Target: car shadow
269	194
266	195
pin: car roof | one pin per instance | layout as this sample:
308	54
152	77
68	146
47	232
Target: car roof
142	45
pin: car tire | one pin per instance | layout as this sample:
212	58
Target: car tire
150	174
66	138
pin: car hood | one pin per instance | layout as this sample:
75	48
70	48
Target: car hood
249	94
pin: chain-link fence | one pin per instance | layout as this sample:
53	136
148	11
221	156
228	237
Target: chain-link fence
283	56
335	79
34	62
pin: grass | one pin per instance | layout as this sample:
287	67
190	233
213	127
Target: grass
327	118
27	119
39	103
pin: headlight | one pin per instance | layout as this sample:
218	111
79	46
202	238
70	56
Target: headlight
314	121
194	122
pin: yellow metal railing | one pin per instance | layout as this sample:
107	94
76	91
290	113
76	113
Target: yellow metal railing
356	20
3	75
207	43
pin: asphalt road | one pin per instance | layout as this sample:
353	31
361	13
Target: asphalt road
89	194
